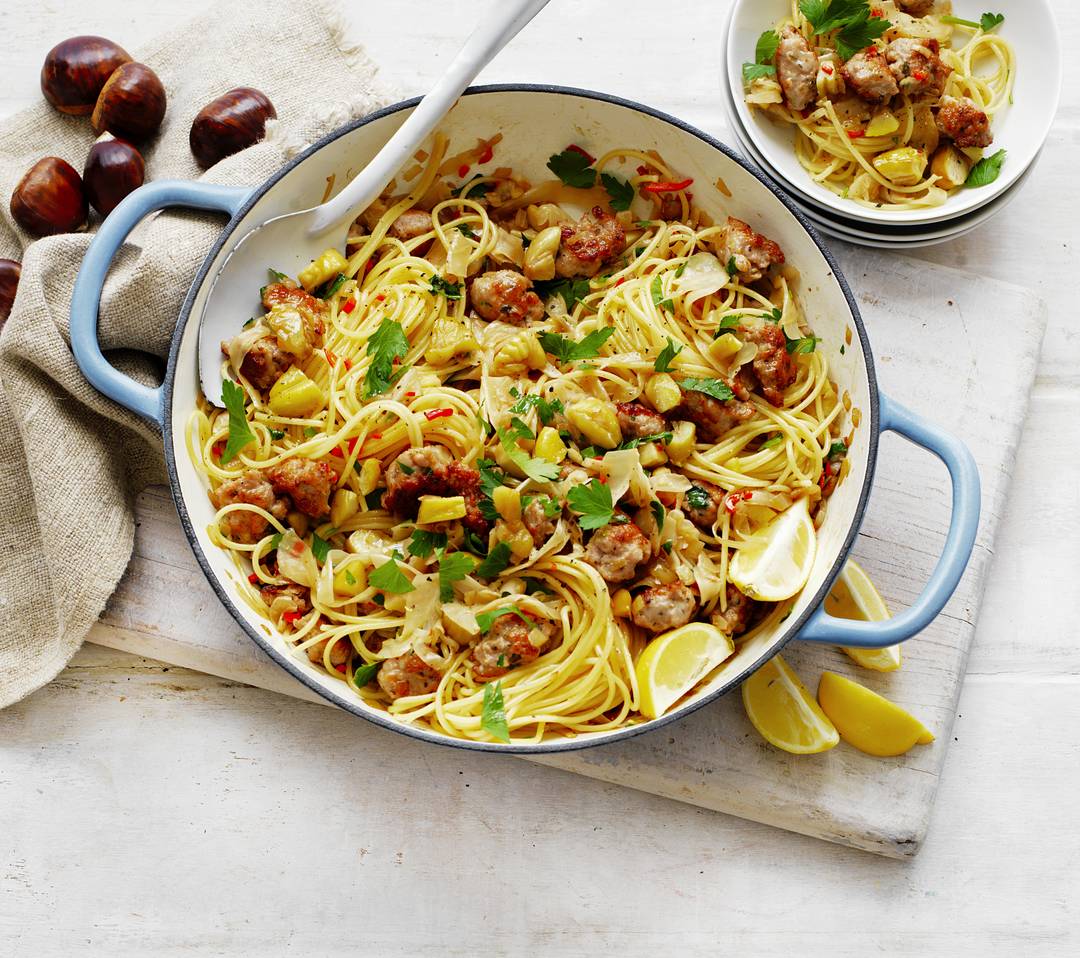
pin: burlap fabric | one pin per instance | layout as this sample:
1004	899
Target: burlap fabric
71	461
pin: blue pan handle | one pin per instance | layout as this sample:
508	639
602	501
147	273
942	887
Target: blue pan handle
966	501
86	299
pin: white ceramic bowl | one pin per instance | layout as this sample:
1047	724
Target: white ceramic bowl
535	122
899	236
1021	129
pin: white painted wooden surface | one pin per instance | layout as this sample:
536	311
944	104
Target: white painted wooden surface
153	810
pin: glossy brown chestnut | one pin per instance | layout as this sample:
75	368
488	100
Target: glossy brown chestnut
49	198
113	169
9	282
131	104
227	125
76	69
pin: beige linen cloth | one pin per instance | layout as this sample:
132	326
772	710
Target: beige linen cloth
72	461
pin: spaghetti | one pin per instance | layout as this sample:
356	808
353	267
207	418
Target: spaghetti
899	124
473	467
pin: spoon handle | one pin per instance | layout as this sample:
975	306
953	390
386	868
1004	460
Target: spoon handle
504	20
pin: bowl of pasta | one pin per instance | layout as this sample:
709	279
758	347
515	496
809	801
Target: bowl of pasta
574	434
893	112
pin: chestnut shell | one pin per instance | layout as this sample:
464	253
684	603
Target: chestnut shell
131	105
76	69
49	198
10	271
113	169
229	124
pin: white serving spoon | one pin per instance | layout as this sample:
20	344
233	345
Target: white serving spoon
293	240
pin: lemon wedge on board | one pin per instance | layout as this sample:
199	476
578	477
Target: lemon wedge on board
853	596
782	709
775	562
867	720
673	663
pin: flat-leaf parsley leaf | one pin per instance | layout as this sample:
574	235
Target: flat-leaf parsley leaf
592	502
386	344
573	168
240	433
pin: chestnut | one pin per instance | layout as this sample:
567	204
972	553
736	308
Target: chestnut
113	169
76	69
229	124
131	104
49	198
9	282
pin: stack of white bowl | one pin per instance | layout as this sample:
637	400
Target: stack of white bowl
1021	129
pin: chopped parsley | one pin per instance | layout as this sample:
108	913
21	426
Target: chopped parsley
320	548
545	408
642	440
487	619
539	470
986	170
592	502
389	578
334	285
240	433
444	286
619	191
657	291
667	354
276	434
857	29
731	268
764	54
387	343
493	713
494	562
806	344
837	450
424	543
453	568
572	291
716	388
772	441
363	675
472	189
573	168
698	498
986	23
567	351
277	276
657	509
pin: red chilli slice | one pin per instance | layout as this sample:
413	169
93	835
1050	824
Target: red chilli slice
438	413
574	148
348	306
463	170
668	186
486	156
856	134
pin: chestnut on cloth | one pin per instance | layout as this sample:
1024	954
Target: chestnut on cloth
72	461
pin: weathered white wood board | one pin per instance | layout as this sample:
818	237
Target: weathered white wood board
975	378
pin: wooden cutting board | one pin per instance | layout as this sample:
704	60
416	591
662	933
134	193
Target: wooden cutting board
956	347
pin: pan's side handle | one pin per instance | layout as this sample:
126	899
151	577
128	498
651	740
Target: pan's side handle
959	541
146	401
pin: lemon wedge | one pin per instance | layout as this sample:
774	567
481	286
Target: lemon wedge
775	562
853	596
782	709
677	660
868	721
